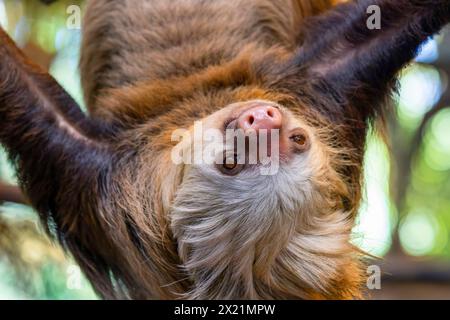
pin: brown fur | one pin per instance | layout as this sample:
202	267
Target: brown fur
174	92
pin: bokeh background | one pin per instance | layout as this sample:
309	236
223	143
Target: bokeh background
404	220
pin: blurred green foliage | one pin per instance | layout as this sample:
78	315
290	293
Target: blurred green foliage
405	197
39	269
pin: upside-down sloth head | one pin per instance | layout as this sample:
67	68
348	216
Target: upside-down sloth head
245	226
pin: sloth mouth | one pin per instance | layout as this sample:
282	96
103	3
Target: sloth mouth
254	146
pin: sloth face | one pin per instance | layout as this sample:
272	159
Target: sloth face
245	137
236	216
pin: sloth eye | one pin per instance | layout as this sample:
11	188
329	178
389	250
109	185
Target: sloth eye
301	140
230	166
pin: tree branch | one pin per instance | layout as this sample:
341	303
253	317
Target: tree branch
9	193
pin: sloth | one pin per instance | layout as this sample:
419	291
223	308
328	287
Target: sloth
143	226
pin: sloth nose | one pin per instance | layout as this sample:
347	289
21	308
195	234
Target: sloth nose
260	117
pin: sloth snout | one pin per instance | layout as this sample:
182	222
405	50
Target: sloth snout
260	117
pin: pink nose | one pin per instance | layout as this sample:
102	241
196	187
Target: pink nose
260	117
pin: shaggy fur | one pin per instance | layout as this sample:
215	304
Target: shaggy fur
142	227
